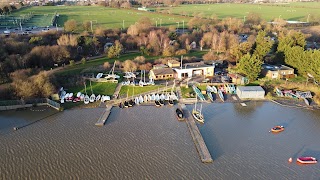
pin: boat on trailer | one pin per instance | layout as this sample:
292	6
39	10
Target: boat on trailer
179	114
307	160
220	93
157	103
306	101
126	104
214	89
86	99
171	102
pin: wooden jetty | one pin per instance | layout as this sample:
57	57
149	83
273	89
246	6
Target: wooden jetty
201	146
104	116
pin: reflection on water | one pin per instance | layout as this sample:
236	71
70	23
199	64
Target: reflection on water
149	143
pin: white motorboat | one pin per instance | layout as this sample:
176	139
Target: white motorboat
92	98
157	97
162	97
107	98
98	97
81	97
62	100
140	99
129	75
86	99
214	89
153	97
145	98
136	100
99	75
102	98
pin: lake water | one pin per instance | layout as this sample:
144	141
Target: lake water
146	142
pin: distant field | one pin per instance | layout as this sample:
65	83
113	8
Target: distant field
100	16
268	12
117	18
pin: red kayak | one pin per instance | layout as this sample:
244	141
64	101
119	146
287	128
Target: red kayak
307	160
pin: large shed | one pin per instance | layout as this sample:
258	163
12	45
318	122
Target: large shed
250	92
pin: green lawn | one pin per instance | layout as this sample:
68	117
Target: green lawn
100	16
137	89
103	88
267	12
118	18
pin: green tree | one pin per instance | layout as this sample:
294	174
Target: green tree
290	39
115	50
263	45
250	66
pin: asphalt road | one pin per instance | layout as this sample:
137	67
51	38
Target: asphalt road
26	31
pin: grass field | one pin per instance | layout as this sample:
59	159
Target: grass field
298	11
100	16
137	90
118	18
103	88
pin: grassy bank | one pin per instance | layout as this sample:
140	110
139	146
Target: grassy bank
137	89
103	88
223	10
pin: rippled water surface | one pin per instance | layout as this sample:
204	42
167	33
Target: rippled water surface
149	143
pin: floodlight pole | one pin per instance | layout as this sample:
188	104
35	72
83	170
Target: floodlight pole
308	18
91	24
182	26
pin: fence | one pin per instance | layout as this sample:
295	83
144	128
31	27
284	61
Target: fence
16	104
102	80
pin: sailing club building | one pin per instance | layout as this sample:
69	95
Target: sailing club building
190	70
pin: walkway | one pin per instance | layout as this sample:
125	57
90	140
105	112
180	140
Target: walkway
104	116
197	138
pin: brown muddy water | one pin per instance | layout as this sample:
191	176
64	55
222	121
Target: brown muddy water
146	142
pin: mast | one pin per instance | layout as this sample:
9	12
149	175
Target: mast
85	87
91	87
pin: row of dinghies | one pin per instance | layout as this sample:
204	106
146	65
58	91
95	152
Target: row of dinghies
158	99
219	90
80	97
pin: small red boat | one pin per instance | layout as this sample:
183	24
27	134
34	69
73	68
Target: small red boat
277	129
307	160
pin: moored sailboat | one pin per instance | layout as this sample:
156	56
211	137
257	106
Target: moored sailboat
197	114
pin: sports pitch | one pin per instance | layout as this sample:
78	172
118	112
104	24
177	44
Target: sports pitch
119	18
100	16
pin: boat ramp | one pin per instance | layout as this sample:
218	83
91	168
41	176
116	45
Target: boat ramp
104	116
